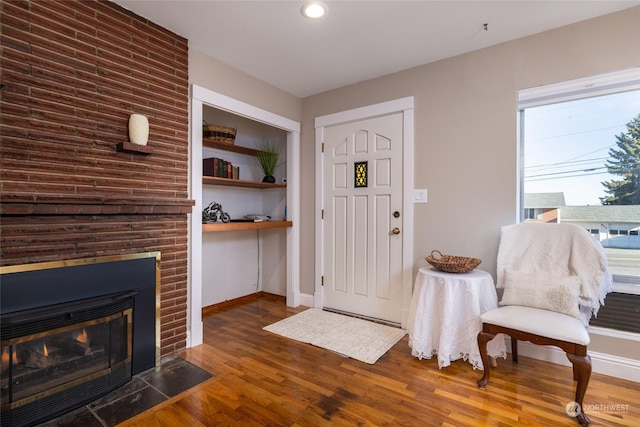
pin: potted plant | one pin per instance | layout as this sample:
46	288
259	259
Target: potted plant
268	155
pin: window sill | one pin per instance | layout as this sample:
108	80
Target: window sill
615	333
625	287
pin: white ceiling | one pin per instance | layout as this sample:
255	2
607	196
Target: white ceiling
356	40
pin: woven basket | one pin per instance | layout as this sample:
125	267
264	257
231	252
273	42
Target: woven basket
218	133
452	263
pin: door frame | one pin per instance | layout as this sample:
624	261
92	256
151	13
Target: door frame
404	106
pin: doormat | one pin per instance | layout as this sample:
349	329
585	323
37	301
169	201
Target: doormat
349	336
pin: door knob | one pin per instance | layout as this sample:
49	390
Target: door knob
396	230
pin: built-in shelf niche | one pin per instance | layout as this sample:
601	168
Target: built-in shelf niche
221	257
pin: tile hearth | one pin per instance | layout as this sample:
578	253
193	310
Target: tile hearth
144	391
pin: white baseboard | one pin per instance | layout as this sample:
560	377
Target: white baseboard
306	300
606	364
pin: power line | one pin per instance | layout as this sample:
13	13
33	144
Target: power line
566	172
594	151
573	159
599	160
562	177
530	140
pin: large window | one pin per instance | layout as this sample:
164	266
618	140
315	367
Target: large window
580	163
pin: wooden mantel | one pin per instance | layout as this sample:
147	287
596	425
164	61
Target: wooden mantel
50	204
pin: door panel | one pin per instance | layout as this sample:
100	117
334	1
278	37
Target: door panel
362	257
339	254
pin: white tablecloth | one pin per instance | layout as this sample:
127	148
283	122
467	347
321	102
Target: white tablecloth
444	316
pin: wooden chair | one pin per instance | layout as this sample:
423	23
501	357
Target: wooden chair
524	323
560	325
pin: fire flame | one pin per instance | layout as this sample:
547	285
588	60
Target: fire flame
5	358
83	338
5	361
44	350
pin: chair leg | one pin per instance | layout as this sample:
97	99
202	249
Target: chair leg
483	339
582	374
514	350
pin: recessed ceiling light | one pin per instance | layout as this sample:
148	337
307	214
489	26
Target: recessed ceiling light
314	9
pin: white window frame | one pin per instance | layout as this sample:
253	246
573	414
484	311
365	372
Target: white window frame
603	84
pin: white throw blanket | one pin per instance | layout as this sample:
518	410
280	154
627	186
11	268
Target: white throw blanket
557	250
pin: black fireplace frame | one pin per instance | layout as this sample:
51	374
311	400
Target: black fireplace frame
29	286
36	404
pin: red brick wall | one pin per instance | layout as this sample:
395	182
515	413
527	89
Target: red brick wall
73	72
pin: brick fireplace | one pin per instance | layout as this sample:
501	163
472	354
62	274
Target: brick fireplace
72	72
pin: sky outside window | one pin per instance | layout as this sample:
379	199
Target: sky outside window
567	145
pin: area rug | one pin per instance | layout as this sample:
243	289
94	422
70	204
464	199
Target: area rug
352	337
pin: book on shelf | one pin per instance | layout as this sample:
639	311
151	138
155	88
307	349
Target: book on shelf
220	168
208	167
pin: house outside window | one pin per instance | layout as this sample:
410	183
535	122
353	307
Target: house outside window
579	145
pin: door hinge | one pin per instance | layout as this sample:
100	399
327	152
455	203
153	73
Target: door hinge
323	147
322	214
322	281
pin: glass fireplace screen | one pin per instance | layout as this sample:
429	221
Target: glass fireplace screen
49	362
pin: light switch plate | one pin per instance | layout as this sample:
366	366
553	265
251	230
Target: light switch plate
420	196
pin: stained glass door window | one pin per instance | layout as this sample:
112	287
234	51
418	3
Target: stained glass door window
360	174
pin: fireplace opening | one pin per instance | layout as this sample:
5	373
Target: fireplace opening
59	357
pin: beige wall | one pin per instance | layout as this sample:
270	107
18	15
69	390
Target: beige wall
214	75
465	129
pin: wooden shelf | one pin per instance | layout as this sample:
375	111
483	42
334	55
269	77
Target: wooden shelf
228	147
212	180
237	226
129	147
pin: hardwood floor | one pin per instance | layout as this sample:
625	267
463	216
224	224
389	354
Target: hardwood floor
261	379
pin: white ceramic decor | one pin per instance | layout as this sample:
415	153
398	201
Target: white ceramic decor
138	129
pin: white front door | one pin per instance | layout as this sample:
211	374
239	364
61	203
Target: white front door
363	217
